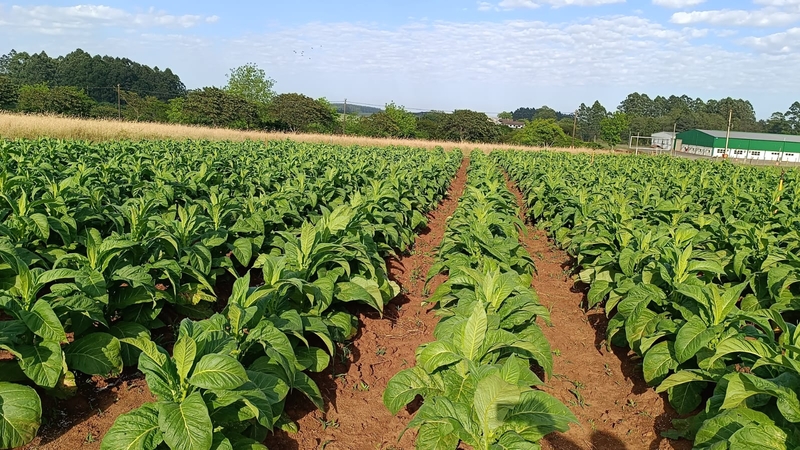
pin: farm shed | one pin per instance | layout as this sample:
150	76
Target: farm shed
664	140
741	145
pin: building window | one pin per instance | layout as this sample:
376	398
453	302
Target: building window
719	150
776	154
755	153
738	152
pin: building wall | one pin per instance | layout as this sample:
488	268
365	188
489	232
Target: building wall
697	150
696	138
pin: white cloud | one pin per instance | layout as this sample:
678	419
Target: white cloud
81	19
675	4
767	17
485	6
532	4
784	42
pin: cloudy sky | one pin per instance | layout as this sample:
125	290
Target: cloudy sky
490	56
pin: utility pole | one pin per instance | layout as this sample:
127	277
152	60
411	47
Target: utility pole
674	138
574	126
119	105
728	134
344	118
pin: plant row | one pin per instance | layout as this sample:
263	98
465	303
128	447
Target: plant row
697	266
102	243
476	378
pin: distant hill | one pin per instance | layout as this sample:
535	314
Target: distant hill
356	109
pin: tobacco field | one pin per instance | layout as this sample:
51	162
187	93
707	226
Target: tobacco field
234	278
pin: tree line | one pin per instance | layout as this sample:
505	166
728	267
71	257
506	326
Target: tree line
82	85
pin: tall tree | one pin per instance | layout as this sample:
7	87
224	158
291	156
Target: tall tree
523	114
252	83
614	127
300	113
471	126
541	133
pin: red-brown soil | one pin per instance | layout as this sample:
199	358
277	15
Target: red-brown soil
82	421
604	389
355	417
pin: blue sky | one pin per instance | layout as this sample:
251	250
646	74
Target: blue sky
490	56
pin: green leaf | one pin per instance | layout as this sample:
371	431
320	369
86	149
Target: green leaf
762	437
474	333
95	354
122	330
494	398
436	355
20	415
538	414
44	322
313	359
186	425
307	386
692	336
404	387
42	362
218	372
136	430
243	251
184	352
658	363
686	397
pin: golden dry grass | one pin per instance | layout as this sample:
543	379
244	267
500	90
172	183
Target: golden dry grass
36	126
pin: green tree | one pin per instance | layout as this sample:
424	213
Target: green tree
146	109
66	100
252	83
431	125
300	113
215	107
545	113
613	127
793	117
523	114
541	133
405	121
505	115
9	93
471	126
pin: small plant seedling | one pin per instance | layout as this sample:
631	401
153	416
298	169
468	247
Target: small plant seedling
631	403
557	352
607	370
362	386
328	423
380	351
90	438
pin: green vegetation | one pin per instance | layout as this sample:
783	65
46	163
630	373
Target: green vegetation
103	243
696	265
476	378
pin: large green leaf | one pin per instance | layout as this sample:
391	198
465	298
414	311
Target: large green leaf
404	387
659	362
494	398
136	430
42	362
218	372
692	336
474	333
95	354
538	414
186	425
20	415
44	322
184	353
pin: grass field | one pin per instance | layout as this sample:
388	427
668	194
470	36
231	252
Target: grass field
35	126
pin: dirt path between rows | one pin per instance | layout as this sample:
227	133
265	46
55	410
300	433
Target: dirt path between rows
355	417
604	389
